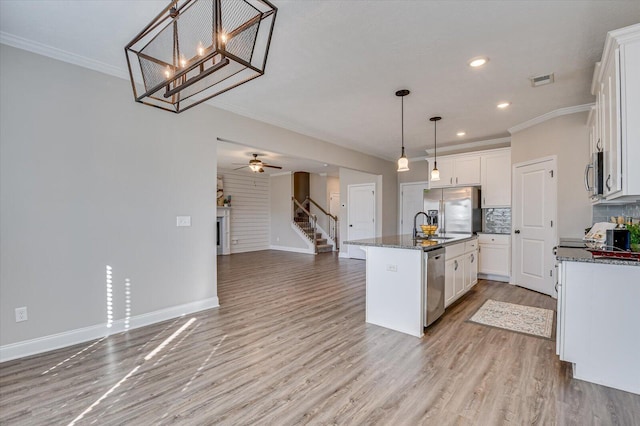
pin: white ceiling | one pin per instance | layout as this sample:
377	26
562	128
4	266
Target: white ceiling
334	66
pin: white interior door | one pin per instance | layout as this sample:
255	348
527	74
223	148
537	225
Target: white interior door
411	202
534	225
362	213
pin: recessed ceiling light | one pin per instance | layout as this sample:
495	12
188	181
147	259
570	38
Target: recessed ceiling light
461	133
478	61
503	105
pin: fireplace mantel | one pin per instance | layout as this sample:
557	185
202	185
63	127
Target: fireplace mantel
223	217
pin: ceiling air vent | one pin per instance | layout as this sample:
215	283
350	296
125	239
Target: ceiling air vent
541	80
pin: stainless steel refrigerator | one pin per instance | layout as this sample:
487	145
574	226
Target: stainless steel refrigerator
454	210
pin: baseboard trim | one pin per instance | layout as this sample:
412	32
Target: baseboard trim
85	334
292	249
493	277
344	254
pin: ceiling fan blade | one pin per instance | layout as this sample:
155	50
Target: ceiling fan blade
273	167
238	168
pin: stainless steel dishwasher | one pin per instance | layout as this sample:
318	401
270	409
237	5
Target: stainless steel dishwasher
434	292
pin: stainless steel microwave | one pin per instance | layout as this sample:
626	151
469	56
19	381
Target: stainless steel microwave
594	181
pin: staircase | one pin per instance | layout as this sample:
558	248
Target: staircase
306	222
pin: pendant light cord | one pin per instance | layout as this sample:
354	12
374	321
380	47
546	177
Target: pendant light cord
435	141
402	121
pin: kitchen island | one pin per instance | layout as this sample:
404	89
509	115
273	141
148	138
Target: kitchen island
396	271
598	318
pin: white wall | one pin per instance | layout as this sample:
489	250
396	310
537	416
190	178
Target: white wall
418	172
89	178
567	137
249	209
282	235
318	193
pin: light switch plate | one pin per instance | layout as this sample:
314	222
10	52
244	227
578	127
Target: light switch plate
183	220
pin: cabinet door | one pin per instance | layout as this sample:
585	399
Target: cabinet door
458	276
470	270
449	292
611	127
494	259
496	180
467	171
445	166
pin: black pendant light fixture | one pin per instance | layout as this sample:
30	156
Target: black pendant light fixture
403	162
435	173
197	49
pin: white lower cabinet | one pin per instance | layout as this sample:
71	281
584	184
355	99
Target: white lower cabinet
495	256
461	270
597	326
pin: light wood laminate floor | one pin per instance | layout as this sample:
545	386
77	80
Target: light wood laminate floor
289	345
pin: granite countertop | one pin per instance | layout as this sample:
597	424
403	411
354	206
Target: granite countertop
582	255
408	242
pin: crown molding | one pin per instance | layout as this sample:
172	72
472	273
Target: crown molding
280	174
548	116
61	55
469	146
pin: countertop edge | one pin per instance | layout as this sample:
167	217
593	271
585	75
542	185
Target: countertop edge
366	243
580	255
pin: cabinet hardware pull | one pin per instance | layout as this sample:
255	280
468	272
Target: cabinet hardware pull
608	180
472	258
456	265
517	231
598	146
456	180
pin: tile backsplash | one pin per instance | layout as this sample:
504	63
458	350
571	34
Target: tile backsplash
496	221
603	212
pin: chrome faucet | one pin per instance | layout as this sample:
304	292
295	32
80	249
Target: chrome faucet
415	219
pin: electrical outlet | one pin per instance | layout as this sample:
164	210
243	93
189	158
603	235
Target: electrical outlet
392	268
183	220
21	314
234	241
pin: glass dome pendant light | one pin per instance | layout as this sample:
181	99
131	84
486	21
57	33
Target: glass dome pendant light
403	162
435	173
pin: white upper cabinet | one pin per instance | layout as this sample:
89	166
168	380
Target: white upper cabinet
457	170
445	166
617	89
496	179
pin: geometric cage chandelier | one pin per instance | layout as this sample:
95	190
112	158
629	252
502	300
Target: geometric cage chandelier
197	49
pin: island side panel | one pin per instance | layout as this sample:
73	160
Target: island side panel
394	289
601	323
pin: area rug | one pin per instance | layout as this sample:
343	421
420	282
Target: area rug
518	318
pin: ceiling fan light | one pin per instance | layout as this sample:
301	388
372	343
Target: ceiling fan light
403	164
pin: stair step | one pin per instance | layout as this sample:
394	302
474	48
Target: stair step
321	241
324	248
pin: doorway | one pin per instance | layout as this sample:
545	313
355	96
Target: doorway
362	214
411	202
534	224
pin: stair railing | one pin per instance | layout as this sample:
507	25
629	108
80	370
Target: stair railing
333	221
309	222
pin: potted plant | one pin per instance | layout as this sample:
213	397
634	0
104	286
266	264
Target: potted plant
634	236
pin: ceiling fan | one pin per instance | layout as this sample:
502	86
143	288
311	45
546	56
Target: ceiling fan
256	166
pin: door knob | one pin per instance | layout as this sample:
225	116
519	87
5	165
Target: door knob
517	231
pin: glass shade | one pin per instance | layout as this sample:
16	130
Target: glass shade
435	174
403	164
